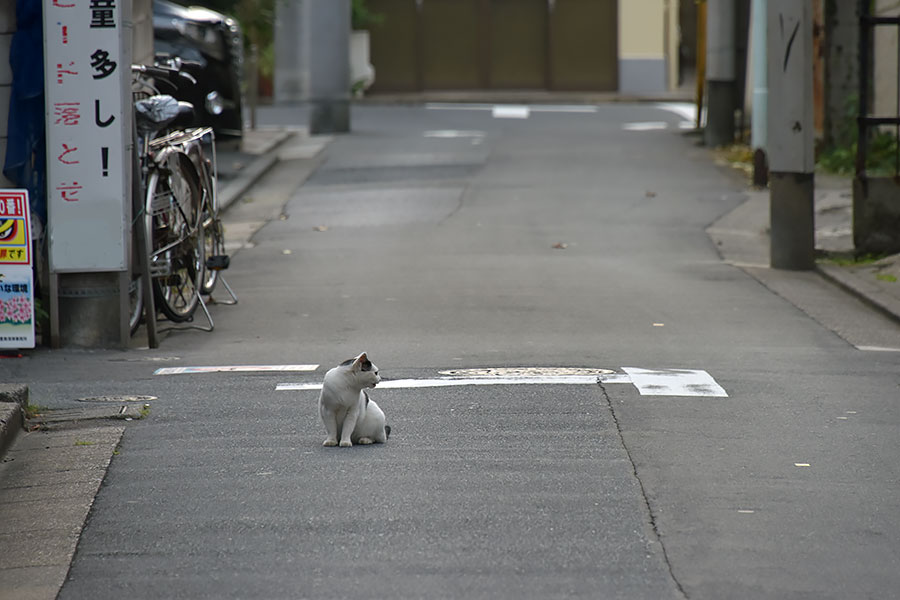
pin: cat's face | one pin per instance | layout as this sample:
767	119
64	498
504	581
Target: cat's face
363	370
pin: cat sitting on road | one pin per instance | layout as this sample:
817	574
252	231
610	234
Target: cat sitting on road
347	412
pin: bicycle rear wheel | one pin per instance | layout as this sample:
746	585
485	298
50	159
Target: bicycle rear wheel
173	222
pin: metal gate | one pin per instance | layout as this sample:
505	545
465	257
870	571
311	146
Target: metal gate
495	44
876	190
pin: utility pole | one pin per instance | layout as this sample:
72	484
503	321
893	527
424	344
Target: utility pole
312	40
759	125
791	135
720	72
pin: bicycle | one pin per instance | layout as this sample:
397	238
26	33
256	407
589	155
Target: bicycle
180	213
171	215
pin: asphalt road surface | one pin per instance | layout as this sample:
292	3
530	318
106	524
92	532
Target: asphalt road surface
444	239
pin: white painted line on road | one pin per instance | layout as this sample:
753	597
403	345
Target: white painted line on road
510	112
235	369
516	111
402	384
670	382
674	382
877	349
454	133
685	110
562	108
647	126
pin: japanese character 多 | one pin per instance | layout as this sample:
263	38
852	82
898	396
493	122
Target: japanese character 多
101	64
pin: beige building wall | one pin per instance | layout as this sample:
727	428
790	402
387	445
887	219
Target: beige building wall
642	45
7	27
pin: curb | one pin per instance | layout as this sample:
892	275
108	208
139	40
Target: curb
869	293
13	400
250	175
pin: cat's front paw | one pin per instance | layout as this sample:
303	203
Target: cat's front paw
346	443
329	443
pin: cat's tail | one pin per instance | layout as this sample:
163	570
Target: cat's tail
387	431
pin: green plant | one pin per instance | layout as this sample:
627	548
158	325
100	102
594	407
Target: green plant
886	277
84	443
362	17
840	158
34	410
849	259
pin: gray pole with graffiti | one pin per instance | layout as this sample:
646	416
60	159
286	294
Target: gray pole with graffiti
791	134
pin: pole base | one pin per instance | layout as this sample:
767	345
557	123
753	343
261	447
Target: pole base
792	218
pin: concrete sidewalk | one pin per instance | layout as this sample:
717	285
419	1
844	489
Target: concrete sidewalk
742	237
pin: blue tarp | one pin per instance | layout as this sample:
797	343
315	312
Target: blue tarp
25	164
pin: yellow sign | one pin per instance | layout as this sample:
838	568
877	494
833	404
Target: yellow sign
15	230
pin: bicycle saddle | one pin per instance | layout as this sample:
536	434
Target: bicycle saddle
160	111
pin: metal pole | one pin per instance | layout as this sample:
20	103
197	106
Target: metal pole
701	59
760	96
720	74
327	31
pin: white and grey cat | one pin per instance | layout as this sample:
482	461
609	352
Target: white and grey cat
347	412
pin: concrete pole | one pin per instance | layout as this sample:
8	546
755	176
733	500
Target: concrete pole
720	72
312	44
791	134
760	98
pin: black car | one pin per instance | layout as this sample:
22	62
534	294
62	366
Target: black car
213	40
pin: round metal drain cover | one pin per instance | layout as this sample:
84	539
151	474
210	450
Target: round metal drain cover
527	372
117	399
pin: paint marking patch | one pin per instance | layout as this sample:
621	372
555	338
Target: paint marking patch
235	369
674	382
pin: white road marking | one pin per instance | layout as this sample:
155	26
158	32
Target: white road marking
647	126
234	369
402	384
674	382
877	349
670	382
501	111
685	110
516	111
453	133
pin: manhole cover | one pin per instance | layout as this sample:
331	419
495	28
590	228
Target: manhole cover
527	372
117	399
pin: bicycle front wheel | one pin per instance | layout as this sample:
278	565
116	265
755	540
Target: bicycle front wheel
173	221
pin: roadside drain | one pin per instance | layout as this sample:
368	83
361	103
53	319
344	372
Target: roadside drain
116	399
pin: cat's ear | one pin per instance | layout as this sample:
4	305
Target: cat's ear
360	361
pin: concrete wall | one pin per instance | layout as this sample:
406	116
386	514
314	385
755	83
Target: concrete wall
7	27
642	46
142	40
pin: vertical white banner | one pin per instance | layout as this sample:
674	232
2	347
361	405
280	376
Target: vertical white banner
87	70
17	318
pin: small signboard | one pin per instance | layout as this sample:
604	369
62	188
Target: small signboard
16	275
